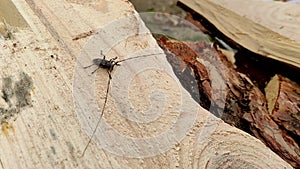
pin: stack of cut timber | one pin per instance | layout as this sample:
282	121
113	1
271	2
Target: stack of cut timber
247	33
278	126
51	134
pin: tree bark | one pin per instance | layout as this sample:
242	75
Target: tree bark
245	105
283	96
51	134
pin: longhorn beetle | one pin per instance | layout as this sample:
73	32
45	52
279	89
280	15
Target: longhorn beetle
109	66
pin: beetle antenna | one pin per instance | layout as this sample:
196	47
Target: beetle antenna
138	57
102	112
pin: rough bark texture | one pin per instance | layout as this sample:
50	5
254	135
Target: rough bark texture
283	96
191	73
51	134
253	103
246	101
245	105
230	109
268	131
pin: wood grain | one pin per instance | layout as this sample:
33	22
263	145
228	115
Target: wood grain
247	33
282	18
51	134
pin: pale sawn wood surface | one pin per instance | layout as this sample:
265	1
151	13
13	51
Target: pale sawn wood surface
49	133
241	25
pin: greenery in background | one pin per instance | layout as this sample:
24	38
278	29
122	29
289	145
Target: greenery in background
164	6
168	20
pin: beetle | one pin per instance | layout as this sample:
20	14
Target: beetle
105	64
109	66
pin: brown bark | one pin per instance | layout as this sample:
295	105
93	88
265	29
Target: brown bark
50	134
187	53
246	105
245	101
191	73
268	131
283	96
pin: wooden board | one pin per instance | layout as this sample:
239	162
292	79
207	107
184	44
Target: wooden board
246	32
280	17
54	129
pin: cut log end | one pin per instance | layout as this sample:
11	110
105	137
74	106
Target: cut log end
283	97
272	92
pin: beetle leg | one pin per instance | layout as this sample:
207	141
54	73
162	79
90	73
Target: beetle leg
88	66
96	69
108	71
111	60
101	53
